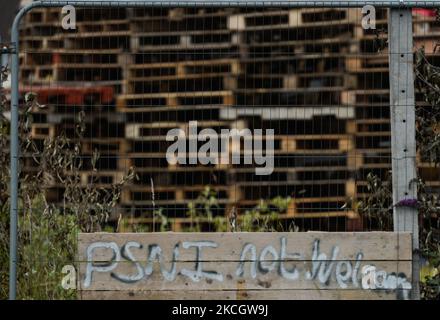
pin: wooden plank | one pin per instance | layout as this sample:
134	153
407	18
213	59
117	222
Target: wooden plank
245	265
266	294
225	277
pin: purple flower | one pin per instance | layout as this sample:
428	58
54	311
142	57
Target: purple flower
412	203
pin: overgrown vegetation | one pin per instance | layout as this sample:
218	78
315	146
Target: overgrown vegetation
202	216
428	144
263	217
47	232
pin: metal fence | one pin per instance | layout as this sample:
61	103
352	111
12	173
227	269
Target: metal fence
322	101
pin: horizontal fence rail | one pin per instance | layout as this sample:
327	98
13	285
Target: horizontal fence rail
236	3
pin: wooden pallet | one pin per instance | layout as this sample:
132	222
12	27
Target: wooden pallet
42	130
46	15
104	26
292	18
198	41
166	195
182	69
174	99
73	95
322	142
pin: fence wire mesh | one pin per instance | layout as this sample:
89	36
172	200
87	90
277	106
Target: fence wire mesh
314	76
103	97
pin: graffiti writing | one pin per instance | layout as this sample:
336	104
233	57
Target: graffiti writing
323	268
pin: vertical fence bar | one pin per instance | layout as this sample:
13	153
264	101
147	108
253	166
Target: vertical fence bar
403	142
14	145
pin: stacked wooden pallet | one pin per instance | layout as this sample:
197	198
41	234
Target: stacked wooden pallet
91	53
373	129
242	69
314	76
73	74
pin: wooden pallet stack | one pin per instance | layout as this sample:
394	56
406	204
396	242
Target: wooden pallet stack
93	53
313	75
73	71
243	69
182	68
371	98
295	81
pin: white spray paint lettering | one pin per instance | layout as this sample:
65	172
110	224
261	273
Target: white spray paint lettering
105	267
324	268
199	273
156	254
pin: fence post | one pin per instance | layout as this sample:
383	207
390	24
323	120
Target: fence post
403	143
14	147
